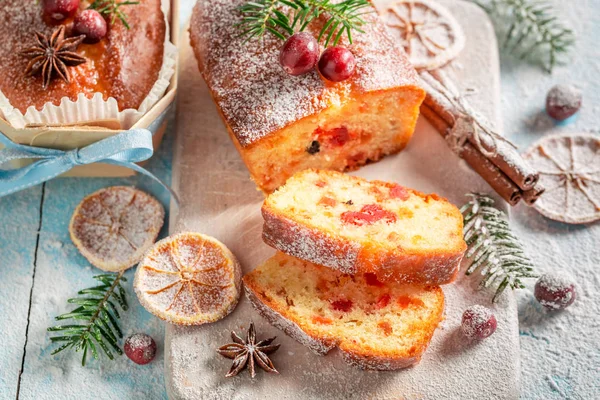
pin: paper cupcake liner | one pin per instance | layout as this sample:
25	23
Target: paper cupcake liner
86	109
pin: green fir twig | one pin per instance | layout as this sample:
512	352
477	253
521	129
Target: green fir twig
112	9
531	29
493	249
99	314
284	17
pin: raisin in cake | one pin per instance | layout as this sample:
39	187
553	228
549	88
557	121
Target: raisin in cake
353	225
375	325
281	123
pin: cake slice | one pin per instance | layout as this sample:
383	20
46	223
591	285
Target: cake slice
280	123
353	225
381	326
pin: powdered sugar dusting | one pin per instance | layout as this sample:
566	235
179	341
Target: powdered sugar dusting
255	95
139	341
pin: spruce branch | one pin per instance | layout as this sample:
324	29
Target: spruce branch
493	249
100	316
531	29
112	9
284	17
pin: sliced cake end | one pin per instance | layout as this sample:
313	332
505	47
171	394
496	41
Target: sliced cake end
381	326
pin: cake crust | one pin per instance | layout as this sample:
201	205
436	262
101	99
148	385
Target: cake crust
124	65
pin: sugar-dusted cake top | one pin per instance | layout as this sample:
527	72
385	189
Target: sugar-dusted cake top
124	65
257	97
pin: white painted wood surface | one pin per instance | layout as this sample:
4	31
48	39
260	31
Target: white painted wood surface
219	199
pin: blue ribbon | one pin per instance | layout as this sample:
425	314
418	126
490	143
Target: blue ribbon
123	149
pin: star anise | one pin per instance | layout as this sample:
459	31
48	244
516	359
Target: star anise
52	55
249	352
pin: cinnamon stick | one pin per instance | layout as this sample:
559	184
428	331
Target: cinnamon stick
508	159
442	97
491	174
484	167
530	196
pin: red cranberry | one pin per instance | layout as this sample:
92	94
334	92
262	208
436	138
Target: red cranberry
60	9
478	322
299	53
337	64
555	292
563	101
140	348
91	24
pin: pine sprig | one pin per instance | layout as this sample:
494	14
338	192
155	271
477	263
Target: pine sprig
99	313
262	16
112	9
531	30
493	249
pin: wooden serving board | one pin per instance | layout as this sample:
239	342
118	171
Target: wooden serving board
219	199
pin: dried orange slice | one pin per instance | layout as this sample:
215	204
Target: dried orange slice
569	167
189	279
115	226
429	33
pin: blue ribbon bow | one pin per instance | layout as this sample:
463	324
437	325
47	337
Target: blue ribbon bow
123	149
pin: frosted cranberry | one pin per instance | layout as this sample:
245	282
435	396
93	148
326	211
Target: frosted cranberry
60	9
368	215
140	348
299	54
335	137
563	101
555	292
91	24
478	322
337	64
342	305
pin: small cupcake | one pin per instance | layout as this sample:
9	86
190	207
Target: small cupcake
104	56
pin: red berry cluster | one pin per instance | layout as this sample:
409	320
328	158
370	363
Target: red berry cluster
88	22
300	54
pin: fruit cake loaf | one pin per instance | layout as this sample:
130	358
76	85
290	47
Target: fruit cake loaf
280	123
353	225
375	325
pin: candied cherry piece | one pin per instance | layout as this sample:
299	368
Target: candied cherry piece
399	192
337	64
368	215
335	137
555	292
478	322
383	301
342	305
60	9
371	279
140	348
563	101
299	54
91	24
